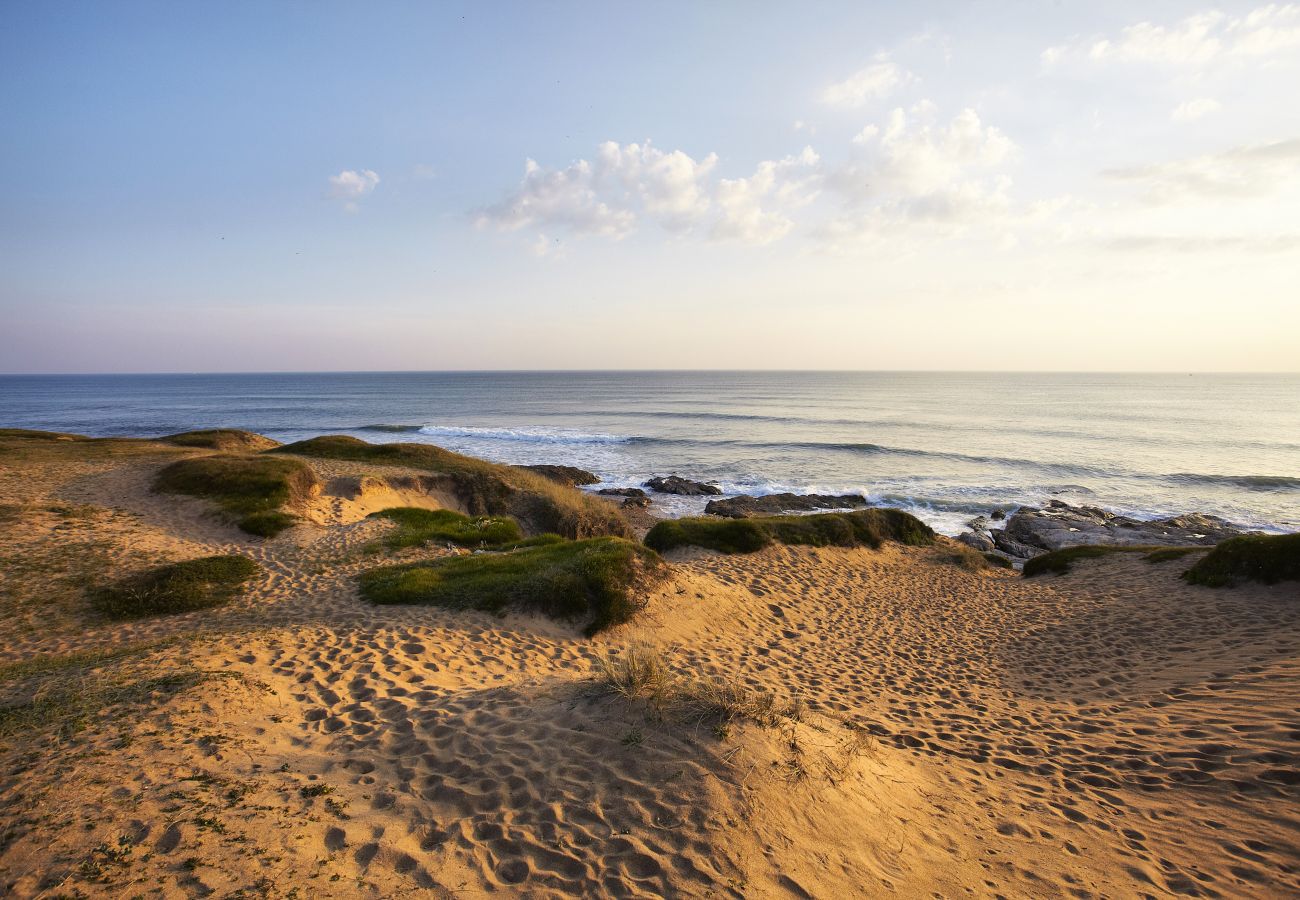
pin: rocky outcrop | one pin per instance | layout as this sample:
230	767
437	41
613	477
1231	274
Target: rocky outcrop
675	484
744	506
641	502
621	492
977	539
1033	531
570	476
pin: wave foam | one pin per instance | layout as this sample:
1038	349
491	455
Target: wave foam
529	435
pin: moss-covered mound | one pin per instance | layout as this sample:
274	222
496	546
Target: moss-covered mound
176	588
416	527
251	489
862	528
484	488
595	581
1268	558
227	440
27	434
1060	561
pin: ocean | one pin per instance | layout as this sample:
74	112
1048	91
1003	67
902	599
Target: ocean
946	446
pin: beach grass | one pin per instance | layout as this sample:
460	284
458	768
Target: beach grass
251	489
417	527
861	528
595	580
484	488
176	588
1267	558
1061	561
224	439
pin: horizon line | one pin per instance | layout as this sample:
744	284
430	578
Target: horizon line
684	371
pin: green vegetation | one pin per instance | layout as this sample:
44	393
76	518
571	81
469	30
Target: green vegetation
594	580
1060	561
68	706
250	488
224	439
1268	558
997	561
864	527
176	588
416	527
484	488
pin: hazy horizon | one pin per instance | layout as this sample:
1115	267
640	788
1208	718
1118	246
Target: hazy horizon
1109	187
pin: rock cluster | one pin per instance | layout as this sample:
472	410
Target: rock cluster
568	475
745	506
675	484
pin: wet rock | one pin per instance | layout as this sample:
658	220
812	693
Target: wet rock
1060	525
745	506
621	492
568	475
997	515
977	539
675	484
979	523
642	502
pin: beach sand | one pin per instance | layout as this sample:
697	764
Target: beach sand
1113	732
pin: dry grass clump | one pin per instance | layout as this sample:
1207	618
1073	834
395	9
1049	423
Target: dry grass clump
1061	561
180	587
1267	558
484	488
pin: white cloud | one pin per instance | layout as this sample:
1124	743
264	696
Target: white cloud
350	186
1252	170
1197	39
1195	109
781	185
876	80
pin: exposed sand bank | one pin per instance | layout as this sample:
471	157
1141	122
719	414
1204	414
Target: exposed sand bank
1111	732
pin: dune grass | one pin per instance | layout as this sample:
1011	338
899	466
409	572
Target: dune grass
180	587
417	527
225	439
1267	558
251	489
484	488
1061	561
595	580
861	528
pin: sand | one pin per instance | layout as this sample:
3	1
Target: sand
1112	732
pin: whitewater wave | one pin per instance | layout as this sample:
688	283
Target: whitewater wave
527	435
1250	482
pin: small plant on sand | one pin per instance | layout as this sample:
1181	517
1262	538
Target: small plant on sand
598	580
417	527
176	588
251	489
639	671
1267	558
862	528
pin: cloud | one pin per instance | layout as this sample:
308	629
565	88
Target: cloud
1252	170
1196	40
781	185
1202	244
1195	109
350	186
876	80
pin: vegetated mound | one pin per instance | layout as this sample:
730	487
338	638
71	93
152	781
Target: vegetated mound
568	475
598	581
27	434
180	587
484	488
251	489
1268	558
416	527
227	440
866	527
1060	561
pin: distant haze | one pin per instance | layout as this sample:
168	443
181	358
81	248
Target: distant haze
306	187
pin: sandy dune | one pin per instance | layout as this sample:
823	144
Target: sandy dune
1113	732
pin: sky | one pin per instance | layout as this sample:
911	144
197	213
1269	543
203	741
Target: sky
325	186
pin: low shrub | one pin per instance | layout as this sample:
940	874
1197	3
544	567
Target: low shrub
250	489
997	561
1165	554
1060	561
1267	558
180	587
416	527
596	580
484	488
864	527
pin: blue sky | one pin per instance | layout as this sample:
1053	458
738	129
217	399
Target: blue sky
198	187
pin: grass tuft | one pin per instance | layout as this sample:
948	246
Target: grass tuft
1060	561
596	580
484	488
417	527
1267	558
997	561
251	489
176	588
865	527
1165	554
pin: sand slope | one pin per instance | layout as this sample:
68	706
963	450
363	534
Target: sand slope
1113	732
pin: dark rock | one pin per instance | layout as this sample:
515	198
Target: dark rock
621	492
977	539
1061	525
642	502
997	515
979	523
567	475
675	484
745	506
1012	547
